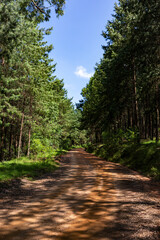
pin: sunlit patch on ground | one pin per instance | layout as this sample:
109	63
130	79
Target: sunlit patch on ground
91	200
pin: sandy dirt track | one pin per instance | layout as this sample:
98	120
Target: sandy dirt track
86	198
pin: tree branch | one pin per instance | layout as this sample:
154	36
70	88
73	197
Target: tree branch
40	9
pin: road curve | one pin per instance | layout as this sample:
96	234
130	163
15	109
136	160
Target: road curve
87	198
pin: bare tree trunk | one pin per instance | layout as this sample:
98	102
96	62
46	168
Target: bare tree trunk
143	127
16	145
136	115
157	113
146	126
2	141
10	141
125	120
129	118
152	126
135	96
29	141
3	61
20	136
157	124
29	131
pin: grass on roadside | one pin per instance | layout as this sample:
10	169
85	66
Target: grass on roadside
25	167
143	157
30	168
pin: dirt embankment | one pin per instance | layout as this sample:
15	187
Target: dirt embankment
86	198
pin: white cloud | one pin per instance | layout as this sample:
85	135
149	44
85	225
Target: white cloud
82	72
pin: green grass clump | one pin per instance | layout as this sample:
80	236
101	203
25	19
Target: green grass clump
25	167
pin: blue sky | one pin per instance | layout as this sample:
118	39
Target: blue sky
77	41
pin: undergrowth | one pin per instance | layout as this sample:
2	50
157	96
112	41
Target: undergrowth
25	167
143	157
29	167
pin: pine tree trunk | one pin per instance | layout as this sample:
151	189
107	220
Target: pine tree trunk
129	118
5	138
157	114
125	121
2	141
10	142
152	126
157	124
3	61
16	145
135	97
20	136
151	121
136	116
146	124
29	131
29	141
143	127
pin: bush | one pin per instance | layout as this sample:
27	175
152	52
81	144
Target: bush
42	151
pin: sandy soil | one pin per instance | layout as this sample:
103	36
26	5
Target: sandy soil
86	198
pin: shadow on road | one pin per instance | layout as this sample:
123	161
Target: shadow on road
87	198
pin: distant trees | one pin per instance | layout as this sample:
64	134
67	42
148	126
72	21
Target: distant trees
33	102
124	91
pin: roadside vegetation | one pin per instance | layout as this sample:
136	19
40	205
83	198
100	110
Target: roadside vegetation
36	115
121	103
25	167
119	115
143	157
45	161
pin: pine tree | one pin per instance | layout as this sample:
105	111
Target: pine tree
130	67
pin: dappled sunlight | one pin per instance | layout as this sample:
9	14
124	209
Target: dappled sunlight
82	207
86	202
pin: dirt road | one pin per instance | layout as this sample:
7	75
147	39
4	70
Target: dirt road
86	198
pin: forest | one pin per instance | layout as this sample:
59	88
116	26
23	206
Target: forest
88	170
119	111
121	104
35	112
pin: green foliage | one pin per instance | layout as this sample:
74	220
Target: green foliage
25	167
43	150
143	157
120	106
89	147
34	108
125	88
41	9
36	146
